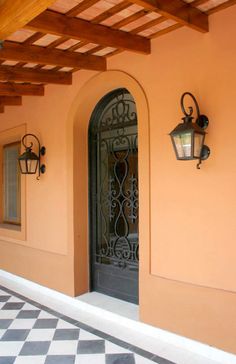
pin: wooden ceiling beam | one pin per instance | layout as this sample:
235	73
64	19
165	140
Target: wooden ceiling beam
23	53
11	100
62	25
15	14
30	41
165	31
17	89
8	73
178	10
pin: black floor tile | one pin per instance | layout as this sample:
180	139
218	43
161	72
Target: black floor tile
13	306
120	359
66	334
15	335
5	323
45	324
60	359
35	348
24	314
7	359
91	347
4	298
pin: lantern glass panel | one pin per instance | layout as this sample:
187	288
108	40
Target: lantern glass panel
23	166
32	165
183	144
198	143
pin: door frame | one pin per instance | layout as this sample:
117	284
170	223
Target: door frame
88	96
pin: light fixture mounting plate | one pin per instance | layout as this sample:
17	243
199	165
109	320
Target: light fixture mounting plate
43	151
205	152
202	121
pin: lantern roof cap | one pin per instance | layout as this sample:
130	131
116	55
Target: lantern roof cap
28	155
187	128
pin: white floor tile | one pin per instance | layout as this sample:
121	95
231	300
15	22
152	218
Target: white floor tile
41	335
63	347
8	314
10	348
3	293
22	324
14	299
30	360
30	307
90	359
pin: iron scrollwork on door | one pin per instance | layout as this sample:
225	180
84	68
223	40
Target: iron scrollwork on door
117	184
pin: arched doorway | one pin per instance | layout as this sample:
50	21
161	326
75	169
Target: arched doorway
113	195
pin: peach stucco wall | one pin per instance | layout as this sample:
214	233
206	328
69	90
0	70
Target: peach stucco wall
187	228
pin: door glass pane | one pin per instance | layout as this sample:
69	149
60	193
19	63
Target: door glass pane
117	184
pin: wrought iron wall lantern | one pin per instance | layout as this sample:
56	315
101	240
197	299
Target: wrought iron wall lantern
188	137
29	161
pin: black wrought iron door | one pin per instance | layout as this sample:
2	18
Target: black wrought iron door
114	196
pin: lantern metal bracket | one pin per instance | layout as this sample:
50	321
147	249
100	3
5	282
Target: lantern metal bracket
41	151
204	155
202	121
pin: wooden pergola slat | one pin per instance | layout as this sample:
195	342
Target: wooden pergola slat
8	73
84	5
14	14
33	38
17	89
22	53
149	24
179	11
62	25
113	10
11	100
198	2
220	7
130	19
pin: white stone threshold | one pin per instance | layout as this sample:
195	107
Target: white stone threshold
173	347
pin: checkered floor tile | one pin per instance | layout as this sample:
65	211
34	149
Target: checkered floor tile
34	334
